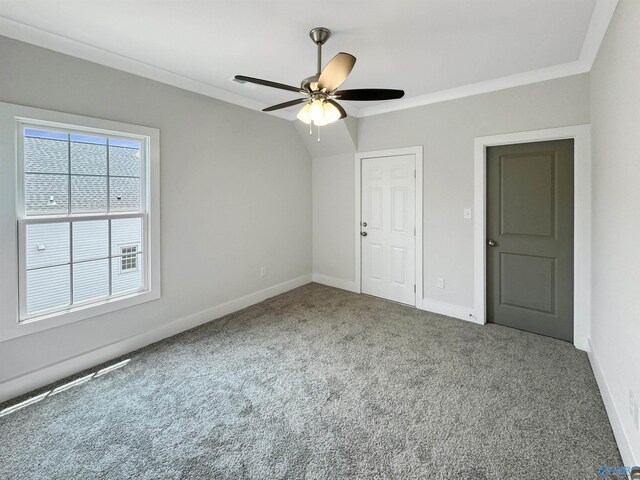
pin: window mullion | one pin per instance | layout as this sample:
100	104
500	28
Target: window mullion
108	180
110	263
80	217
71	263
70	222
69	174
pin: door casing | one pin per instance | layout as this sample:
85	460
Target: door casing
581	134
417	151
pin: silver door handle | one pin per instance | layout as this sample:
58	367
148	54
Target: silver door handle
492	243
364	234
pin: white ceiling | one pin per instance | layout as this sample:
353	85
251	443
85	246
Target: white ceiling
426	47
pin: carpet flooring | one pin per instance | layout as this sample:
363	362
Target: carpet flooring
320	383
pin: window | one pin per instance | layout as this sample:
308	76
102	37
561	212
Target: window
129	258
83	218
74	190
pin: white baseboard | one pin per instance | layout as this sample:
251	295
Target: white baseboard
581	343
349	285
450	310
38	378
624	445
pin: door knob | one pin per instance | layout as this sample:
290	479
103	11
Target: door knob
364	234
492	243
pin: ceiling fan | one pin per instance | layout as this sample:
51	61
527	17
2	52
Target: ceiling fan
320	91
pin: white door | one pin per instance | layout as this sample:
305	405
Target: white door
388	221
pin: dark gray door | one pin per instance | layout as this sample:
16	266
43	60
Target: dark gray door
530	237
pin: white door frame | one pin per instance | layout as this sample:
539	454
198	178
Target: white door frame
417	152
581	134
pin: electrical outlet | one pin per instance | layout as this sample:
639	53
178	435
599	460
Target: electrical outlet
467	213
440	282
263	271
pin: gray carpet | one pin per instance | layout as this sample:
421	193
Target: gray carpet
320	383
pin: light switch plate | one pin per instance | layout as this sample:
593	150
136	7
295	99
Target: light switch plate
467	213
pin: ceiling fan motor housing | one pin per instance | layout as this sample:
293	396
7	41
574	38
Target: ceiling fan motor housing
306	83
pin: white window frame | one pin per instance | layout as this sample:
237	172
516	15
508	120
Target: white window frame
13	118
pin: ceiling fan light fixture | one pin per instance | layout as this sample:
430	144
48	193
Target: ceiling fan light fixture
304	115
319	112
331	113
321	123
316	112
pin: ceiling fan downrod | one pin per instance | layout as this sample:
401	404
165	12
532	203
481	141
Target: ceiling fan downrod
319	35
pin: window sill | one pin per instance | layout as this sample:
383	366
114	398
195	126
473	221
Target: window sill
56	319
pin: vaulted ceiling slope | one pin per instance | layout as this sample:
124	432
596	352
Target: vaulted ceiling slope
433	49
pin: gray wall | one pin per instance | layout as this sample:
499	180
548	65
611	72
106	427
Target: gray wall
447	131
334	216
615	114
235	196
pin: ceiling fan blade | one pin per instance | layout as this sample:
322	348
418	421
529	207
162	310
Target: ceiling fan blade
336	71
267	83
290	103
369	94
337	105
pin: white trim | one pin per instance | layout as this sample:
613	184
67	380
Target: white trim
341	283
624	444
582	219
600	19
450	310
52	41
419	224
357	226
419	156
493	85
11	117
38	378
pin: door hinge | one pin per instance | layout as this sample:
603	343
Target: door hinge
414	289
414	174
414	231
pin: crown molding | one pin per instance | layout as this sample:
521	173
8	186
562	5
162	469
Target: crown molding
52	41
493	85
600	19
